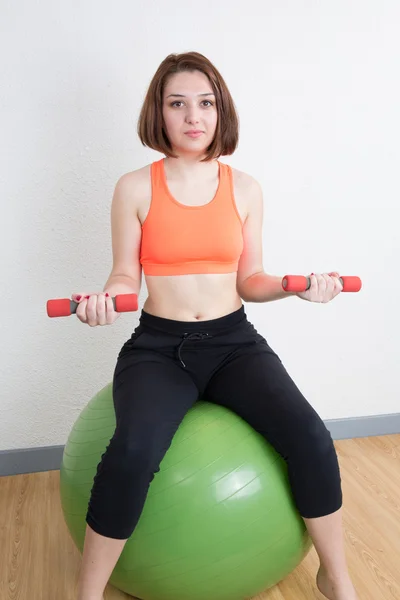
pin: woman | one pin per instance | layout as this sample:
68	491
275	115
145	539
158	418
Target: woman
193	225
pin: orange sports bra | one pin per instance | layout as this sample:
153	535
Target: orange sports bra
178	239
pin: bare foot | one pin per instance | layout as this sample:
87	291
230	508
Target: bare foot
335	590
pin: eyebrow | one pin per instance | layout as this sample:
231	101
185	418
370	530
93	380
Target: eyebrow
182	96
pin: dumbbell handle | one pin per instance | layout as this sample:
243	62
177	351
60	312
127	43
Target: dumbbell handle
64	307
299	283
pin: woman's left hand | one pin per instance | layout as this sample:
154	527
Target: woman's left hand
324	287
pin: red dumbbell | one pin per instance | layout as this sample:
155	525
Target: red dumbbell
64	307
299	283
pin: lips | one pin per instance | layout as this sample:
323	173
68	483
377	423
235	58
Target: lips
193	134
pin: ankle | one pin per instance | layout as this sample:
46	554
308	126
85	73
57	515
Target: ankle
90	596
335	577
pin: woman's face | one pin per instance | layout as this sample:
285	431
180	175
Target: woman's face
189	104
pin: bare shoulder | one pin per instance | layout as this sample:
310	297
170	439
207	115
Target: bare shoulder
248	192
135	187
241	177
245	183
138	181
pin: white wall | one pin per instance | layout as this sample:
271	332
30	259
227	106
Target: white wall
317	89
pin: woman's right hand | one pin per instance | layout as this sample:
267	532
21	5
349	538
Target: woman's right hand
95	309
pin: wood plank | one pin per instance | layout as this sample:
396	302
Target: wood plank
38	560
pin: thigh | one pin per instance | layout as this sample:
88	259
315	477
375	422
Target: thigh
151	396
256	386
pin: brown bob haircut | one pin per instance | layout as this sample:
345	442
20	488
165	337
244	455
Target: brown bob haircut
150	126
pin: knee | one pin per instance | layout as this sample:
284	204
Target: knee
313	438
130	454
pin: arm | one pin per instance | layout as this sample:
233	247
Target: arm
253	284
126	233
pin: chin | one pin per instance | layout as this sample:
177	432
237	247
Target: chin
194	147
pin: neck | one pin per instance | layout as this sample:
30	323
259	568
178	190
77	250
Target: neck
191	168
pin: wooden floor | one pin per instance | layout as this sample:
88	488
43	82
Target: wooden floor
38	560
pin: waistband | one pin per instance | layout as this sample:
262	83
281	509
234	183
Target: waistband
186	327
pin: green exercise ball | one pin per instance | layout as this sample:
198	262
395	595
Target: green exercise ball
219	522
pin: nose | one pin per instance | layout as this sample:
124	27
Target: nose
192	116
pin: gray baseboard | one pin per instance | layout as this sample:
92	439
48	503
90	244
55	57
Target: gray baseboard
30	460
48	458
353	427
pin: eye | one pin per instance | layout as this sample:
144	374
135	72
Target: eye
175	103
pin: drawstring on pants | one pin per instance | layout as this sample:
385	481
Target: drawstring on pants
191	336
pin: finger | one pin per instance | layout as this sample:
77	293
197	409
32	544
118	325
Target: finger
110	312
81	310
329	281
338	286
91	310
313	283
321	287
101	309
79	297
329	287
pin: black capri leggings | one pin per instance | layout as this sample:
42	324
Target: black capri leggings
162	370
